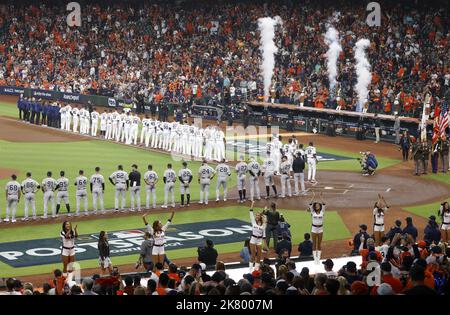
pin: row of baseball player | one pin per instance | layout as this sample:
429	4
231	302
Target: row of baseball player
127	127
248	175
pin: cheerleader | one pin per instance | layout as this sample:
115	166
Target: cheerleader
157	231
317	210
68	236
103	252
444	213
379	211
258	238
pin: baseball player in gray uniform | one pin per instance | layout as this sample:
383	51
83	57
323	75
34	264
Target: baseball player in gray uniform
48	188
205	174
223	173
62	185
29	188
12	190
285	170
312	162
185	177
150	179
169	179
241	170
81	193
120	180
97	186
269	169
254	170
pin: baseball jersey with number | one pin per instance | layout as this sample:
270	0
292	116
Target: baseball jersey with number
223	170
49	184
269	165
150	176
94	116
170	175
254	167
185	174
241	168
119	177
97	181
29	185
310	152
81	182
12	188
205	171
63	183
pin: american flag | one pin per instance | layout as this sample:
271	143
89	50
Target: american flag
443	120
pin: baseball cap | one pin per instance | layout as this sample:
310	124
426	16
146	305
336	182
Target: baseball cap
422	244
249	277
385	289
363	227
432	218
328	263
398	222
351	266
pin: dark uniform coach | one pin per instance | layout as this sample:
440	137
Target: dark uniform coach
135	187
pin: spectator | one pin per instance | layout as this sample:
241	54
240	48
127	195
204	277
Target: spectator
129	287
87	285
245	252
332	286
328	265
343	284
387	277
349	272
305	247
359	288
432	233
410	228
11	286
319	281
385	289
145	256
417	276
394	230
208	254
360	239
285	243
283	227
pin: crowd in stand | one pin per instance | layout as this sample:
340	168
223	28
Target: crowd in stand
165	52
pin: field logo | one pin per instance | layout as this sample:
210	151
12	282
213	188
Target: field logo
74	17
374	17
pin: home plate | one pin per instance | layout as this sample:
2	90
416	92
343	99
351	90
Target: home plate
328	187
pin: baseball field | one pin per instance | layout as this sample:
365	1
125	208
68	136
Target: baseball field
31	249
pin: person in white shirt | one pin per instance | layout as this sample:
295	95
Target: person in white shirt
254	170
169	179
62	185
12	190
75	118
328	265
150	179
29	188
276	152
68	236
241	171
68	117
48	188
109	131
81	192
379	211
103	123
94	122
158	231
145	131
134	131
223	174
120	180
444	213
257	239
97	187
311	158
268	174
185	177
317	210
205	174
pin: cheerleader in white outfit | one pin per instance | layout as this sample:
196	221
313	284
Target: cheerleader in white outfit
444	213
158	231
317	210
379	211
258	238
68	236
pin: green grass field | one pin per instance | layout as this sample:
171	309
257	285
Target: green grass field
336	230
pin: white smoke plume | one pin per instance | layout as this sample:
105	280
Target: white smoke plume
334	49
363	73
266	26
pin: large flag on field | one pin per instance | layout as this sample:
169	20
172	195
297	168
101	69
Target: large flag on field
440	122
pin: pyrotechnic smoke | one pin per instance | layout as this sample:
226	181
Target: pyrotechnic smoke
266	26
334	49
363	73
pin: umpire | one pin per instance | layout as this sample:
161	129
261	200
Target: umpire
273	218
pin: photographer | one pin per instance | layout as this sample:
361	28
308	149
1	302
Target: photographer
208	254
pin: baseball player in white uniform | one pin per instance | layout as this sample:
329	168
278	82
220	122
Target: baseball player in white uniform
29	188
276	153
75	118
120	180
81	192
120	127
68	117
185	176
145	131
254	170
103	123
205	174
126	135
62	114
134	131
311	157
173	137
169	179
83	121
198	143
269	173
109	126
97	187
115	124
223	174
209	142
150	179
241	171
166	136
285	170
94	122
191	139
62	185
12	190
184	139
219	144
48	188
